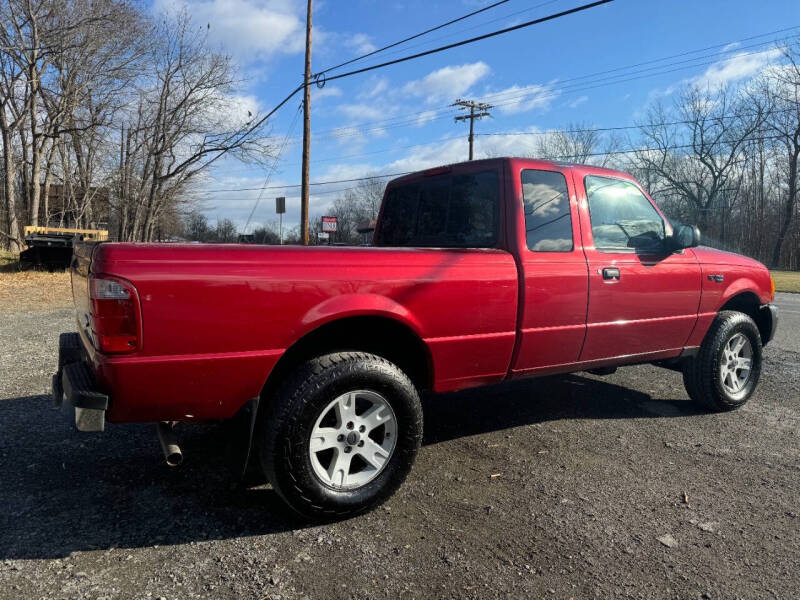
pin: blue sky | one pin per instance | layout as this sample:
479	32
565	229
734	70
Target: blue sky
397	119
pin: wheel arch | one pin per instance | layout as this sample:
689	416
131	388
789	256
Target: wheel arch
379	334
748	302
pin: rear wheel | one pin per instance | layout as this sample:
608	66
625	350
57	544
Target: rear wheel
725	372
341	434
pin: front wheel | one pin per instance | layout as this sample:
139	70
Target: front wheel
725	372
341	434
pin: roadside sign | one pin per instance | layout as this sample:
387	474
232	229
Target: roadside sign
280	205
329	224
324	235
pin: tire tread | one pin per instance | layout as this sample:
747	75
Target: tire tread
699	373
283	413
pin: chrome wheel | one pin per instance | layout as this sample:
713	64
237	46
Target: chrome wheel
735	364
353	439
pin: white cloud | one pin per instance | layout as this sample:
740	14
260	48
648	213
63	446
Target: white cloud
733	69
248	29
737	67
362	112
424	117
517	99
448	82
361	43
375	87
328	91
235	110
578	101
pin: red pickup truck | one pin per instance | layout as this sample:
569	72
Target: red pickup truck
479	272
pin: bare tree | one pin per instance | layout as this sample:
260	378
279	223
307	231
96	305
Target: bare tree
180	126
14	103
577	143
695	148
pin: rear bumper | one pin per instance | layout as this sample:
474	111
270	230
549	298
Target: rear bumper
772	325
74	384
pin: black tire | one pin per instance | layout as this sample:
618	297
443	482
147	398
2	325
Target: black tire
702	374
295	408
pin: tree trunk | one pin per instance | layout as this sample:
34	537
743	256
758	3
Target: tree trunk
48	180
36	187
14	239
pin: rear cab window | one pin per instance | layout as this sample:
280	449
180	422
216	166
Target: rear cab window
443	211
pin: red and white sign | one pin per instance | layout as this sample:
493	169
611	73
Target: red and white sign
329	224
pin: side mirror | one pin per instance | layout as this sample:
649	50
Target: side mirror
685	236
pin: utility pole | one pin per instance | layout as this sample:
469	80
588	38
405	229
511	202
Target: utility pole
306	132
477	110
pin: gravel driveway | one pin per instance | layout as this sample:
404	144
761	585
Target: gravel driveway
575	486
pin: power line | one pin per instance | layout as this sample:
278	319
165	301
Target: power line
482	111
473	27
472	40
505	30
560	157
413	37
444	113
552	92
314	183
272	169
598	83
624	127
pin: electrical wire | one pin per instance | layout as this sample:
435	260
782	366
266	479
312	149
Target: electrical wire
408	39
552	92
559	157
272	168
447	111
505	30
472	40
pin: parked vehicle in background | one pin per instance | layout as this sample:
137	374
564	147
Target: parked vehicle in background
51	247
479	272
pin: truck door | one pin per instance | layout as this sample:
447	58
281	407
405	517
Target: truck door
642	298
554	282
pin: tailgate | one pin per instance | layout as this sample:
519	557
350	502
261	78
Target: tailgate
80	267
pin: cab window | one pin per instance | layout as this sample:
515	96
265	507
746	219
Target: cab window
450	211
548	220
622	217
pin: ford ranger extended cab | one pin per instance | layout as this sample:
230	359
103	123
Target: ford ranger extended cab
479	272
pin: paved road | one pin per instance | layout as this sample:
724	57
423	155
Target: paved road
593	472
788	335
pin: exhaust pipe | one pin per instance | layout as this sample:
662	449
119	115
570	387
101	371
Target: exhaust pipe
169	444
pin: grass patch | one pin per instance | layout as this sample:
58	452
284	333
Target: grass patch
8	261
787	281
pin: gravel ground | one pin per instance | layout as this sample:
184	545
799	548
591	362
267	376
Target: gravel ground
607	487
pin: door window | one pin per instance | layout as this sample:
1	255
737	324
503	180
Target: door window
622	217
548	221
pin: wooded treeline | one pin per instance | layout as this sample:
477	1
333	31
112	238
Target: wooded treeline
116	111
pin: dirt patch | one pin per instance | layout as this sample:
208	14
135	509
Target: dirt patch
34	290
608	487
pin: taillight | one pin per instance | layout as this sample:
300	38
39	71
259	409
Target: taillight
115	315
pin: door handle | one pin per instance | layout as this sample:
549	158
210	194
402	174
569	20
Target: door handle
611	273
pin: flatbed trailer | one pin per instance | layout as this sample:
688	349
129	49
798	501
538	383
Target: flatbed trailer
51	247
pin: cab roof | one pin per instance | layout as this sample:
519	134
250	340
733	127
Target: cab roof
515	161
